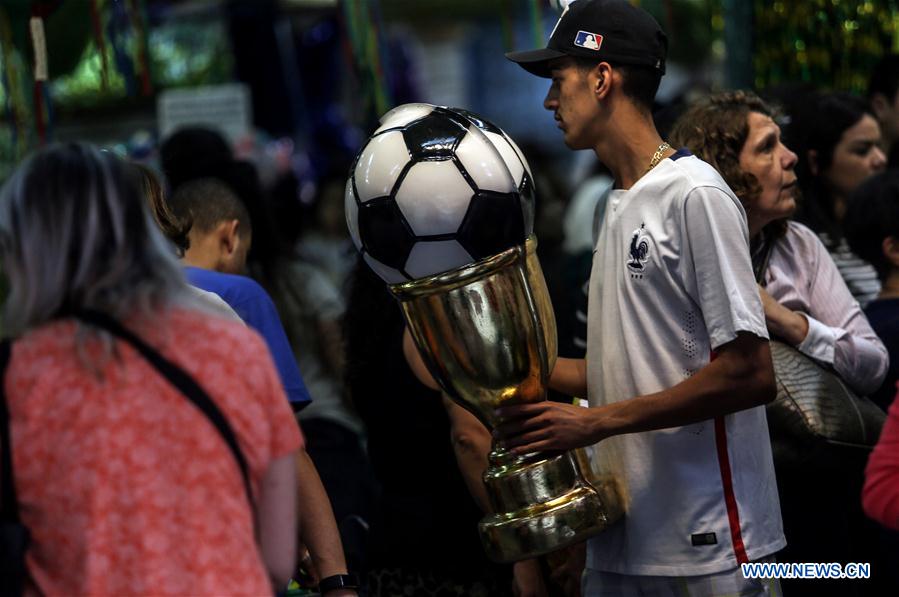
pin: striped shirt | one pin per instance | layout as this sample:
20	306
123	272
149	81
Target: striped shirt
859	275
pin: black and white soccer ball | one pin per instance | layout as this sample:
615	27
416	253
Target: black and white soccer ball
435	189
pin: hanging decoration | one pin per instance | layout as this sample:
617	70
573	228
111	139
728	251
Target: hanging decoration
40	74
100	42
44	40
142	45
124	34
117	32
39	47
379	48
11	76
366	49
828	43
536	13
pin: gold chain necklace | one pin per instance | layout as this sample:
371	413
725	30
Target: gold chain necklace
657	156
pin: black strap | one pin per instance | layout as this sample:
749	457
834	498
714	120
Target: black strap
178	378
9	507
760	258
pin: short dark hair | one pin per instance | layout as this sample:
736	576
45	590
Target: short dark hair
641	83
191	153
885	77
208	202
872	215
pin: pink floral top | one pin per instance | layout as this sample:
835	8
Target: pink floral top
125	486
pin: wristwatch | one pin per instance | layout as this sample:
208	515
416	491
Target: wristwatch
338	581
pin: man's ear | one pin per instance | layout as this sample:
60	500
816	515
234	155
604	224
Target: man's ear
812	158
890	248
601	79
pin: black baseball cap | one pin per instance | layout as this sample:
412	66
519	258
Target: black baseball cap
614	31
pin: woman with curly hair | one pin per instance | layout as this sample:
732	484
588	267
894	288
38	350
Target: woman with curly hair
807	304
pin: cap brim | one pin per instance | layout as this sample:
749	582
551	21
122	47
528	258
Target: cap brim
536	62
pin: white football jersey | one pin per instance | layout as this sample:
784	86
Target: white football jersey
671	282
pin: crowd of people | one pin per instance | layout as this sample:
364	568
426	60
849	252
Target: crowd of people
208	392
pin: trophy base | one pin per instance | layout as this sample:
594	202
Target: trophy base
536	524
510	537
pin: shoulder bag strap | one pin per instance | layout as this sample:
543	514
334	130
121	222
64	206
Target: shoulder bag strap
9	507
760	258
181	380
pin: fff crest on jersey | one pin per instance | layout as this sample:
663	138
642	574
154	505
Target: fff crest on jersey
638	252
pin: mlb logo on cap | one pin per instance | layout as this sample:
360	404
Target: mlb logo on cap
591	41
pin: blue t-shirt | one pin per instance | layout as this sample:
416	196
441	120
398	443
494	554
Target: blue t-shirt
253	304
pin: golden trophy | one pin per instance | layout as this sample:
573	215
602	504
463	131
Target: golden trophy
483	325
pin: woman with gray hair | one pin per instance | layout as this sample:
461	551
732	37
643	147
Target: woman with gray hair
152	445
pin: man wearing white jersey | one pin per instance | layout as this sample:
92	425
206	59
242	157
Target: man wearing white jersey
678	366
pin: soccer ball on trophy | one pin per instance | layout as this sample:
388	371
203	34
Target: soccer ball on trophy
435	189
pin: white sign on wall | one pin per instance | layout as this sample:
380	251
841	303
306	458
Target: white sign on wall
226	108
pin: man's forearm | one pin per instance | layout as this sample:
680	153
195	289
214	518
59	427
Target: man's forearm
569	377
318	531
741	377
471	444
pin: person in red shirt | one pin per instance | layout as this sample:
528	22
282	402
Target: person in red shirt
123	483
880	496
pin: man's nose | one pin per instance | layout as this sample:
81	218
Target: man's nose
550	102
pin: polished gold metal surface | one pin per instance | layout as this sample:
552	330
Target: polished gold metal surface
488	335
